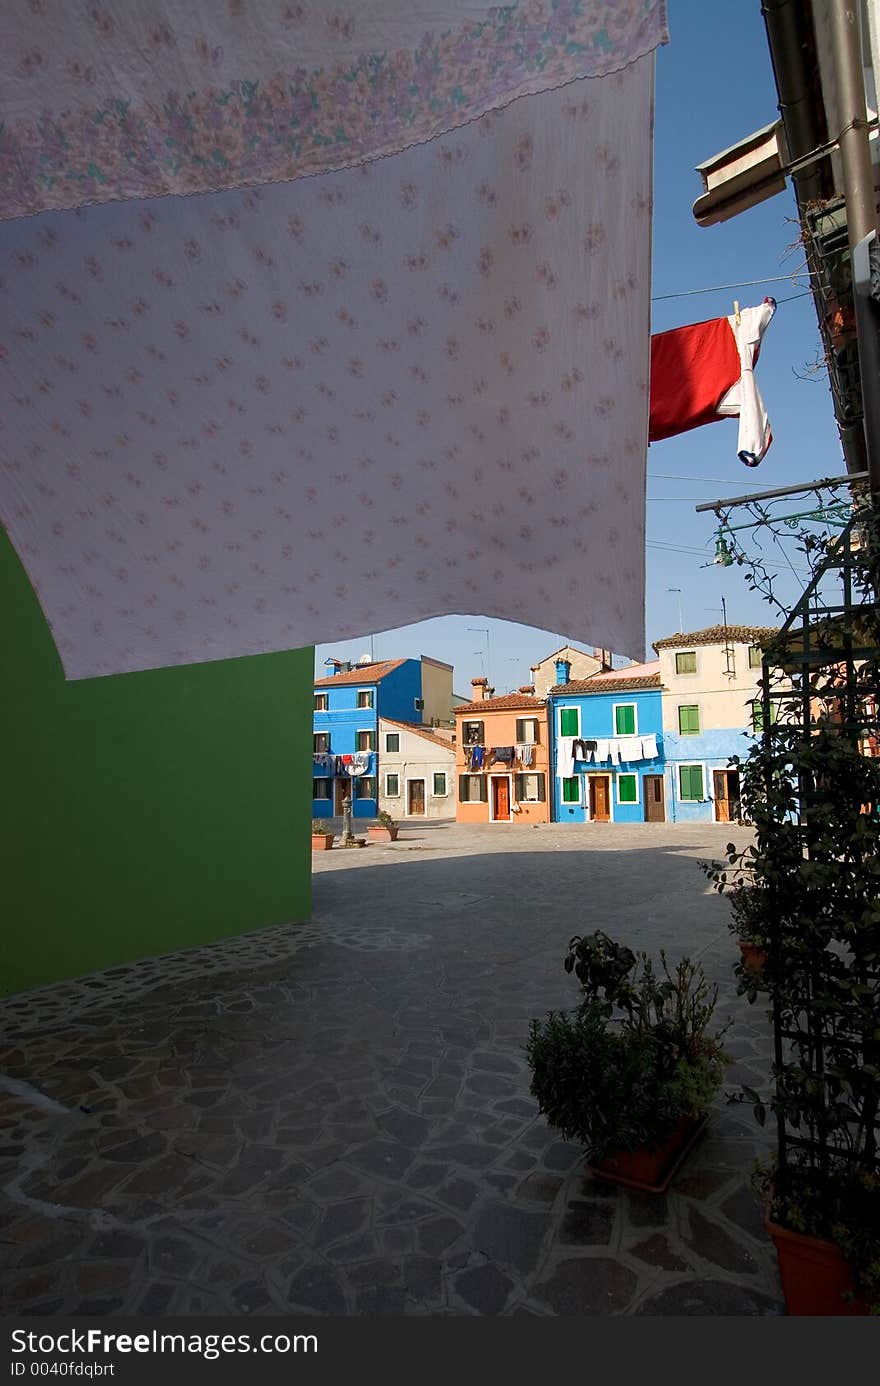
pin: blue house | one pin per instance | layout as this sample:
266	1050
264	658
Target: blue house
348	705
607	743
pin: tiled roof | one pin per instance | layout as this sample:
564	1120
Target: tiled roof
717	635
616	684
629	671
425	732
363	675
508	702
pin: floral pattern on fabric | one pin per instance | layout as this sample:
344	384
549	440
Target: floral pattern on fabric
261	419
101	103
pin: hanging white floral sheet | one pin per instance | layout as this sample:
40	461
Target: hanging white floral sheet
284	409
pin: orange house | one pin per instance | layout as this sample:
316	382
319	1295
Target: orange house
502	758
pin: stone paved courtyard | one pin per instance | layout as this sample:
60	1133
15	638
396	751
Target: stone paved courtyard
335	1117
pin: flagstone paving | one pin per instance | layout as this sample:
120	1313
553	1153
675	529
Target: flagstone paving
335	1118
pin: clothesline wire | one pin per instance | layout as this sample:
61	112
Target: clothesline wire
742	284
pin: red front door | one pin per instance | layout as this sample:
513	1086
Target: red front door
500	799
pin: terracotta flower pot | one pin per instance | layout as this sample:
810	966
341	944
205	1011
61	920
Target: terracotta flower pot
815	1276
652	1171
382	834
754	958
322	842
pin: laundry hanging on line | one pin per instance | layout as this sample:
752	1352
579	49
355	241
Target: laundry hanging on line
705	372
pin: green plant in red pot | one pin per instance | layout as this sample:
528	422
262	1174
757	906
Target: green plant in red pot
384	829
634	1070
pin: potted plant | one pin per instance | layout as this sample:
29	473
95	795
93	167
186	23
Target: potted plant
384	829
633	1071
814	867
322	835
749	924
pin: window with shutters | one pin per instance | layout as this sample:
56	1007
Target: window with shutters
571	790
758	715
690	783
365	697
627	789
625	720
322	702
527	730
392	786
392	742
686	662
366	741
754	656
569	721
439	790
366	787
472	789
689	720
321	743
320	789
472	734
529	789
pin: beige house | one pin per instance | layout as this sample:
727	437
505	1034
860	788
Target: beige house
416	770
583	666
711	710
437	693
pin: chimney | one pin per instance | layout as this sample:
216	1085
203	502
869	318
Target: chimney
563	671
526	688
481	689
604	658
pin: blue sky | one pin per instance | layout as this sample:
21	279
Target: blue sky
714	86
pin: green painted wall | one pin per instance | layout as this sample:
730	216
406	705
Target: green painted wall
144	812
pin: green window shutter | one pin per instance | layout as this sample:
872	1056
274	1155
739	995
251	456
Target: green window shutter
625	720
519	787
627	789
463	789
689	721
542	793
568	721
571	791
686	662
690	781
519	729
483	787
757	716
754	656
439	784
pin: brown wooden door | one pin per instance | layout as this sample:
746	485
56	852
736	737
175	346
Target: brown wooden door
600	799
415	797
655	799
722	803
500	799
341	787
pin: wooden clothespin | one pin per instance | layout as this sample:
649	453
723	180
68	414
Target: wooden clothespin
737	316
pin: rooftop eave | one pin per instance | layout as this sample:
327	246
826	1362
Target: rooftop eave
742	176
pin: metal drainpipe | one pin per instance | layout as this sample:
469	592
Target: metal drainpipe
861	215
791	41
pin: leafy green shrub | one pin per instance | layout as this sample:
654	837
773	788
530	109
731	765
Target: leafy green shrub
616	1082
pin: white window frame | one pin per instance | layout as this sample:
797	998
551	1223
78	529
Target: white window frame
325	702
388	750
414	779
633	775
469	775
535	775
572	803
569	707
315	751
690	673
364	731
510	798
533	740
392	775
445	793
365	707
692	765
615	733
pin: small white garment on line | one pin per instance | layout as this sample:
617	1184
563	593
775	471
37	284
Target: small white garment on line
565	757
744	398
649	747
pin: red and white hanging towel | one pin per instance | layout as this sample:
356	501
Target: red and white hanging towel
706	372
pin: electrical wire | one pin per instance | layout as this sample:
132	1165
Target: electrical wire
743	284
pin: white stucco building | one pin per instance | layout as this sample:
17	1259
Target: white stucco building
417	771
